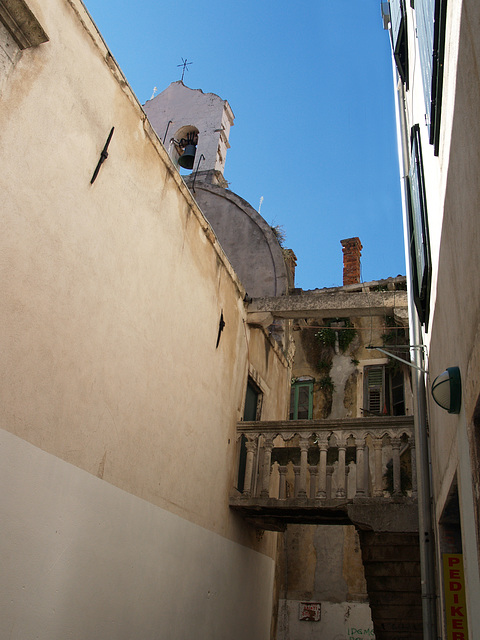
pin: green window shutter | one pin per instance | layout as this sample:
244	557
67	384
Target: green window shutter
374	399
301	401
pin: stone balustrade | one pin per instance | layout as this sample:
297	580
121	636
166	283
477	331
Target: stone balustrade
327	460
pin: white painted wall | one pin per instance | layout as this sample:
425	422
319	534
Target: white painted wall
452	337
82	559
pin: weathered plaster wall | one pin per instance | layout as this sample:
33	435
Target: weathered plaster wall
344	368
325	563
111	304
322	564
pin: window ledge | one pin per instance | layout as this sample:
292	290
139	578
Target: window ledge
21	23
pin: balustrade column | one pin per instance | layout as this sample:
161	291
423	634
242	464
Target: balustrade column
302	487
282	493
347	472
397	483
251	446
296	487
413	462
313	474
341	471
329	480
378	480
322	470
267	462
360	449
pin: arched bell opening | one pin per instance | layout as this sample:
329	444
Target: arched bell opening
184	147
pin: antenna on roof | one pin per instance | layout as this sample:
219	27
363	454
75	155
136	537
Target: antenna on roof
185	66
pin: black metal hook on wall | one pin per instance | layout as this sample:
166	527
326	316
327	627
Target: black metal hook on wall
196	171
103	156
166	130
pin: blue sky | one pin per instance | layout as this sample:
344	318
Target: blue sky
311	88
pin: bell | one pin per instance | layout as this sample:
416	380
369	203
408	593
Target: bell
187	157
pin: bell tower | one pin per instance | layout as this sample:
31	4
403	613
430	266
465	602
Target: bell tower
194	127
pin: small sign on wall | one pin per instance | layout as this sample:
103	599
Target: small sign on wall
455	605
310	611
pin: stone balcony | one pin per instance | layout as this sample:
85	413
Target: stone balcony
354	471
350	471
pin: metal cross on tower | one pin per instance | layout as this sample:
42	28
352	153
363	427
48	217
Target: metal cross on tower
185	66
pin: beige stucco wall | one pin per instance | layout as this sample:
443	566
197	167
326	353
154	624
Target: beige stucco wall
112	384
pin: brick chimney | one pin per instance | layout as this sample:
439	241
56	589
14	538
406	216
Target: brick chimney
352	250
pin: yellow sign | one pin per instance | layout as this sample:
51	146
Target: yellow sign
454	585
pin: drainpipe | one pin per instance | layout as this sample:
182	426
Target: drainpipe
425	501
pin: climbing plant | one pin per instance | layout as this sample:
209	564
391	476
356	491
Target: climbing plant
326	383
327	336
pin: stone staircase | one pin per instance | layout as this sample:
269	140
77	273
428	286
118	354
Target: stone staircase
392	570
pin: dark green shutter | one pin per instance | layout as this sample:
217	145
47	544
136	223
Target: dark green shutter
301	401
249	413
375	386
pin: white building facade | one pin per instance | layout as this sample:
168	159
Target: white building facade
436	62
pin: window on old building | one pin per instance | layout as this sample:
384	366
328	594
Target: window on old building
431	18
383	391
418	229
374	390
253	401
301	400
252	411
